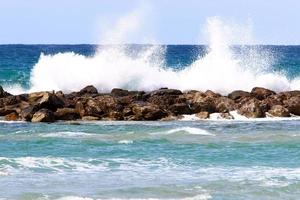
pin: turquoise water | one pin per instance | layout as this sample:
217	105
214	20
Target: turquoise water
160	160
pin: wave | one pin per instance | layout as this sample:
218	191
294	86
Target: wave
114	66
191	130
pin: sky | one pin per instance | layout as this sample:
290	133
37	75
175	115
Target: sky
142	21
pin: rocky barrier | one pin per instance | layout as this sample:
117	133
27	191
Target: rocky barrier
162	104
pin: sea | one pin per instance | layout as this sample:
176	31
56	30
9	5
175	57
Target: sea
185	159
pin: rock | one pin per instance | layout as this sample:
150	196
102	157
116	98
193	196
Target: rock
79	107
165	91
261	93
45	100
3	93
224	105
88	90
252	109
203	115
172	118
148	111
27	113
212	94
226	116
12	117
237	94
180	109
203	104
90	118
66	114
293	105
119	92
279	111
43	115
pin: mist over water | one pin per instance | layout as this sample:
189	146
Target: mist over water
114	66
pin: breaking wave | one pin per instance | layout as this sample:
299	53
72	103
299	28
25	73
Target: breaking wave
113	66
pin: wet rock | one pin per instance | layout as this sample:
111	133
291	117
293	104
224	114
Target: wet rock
252	109
180	109
165	91
27	113
201	104
261	93
66	114
238	94
45	100
293	105
279	111
203	115
224	104
90	118
3	93
119	92
88	90
43	115
148	111
12	117
226	116
212	94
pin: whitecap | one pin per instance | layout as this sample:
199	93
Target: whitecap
191	130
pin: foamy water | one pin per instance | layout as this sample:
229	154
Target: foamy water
113	66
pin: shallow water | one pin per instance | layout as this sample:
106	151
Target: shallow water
142	160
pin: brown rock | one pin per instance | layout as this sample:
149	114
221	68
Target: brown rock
45	100
261	93
293	105
212	94
88	90
180	109
226	116
148	111
119	92
203	104
224	105
12	117
203	115
279	111
27	113
66	114
90	118
43	115
252	109
237	94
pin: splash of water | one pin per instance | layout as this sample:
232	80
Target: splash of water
219	70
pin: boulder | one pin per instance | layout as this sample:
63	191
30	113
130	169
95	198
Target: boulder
66	114
90	118
27	113
201	104
293	105
166	91
90	89
224	105
279	111
3	93
12	117
203	115
261	93
119	92
251	108
180	109
45	100
43	115
238	94
226	116
148	111
212	94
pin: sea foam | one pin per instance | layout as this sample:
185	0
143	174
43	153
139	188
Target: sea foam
113	66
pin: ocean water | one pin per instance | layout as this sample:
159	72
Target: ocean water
150	160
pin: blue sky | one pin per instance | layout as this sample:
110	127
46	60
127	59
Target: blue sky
165	21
